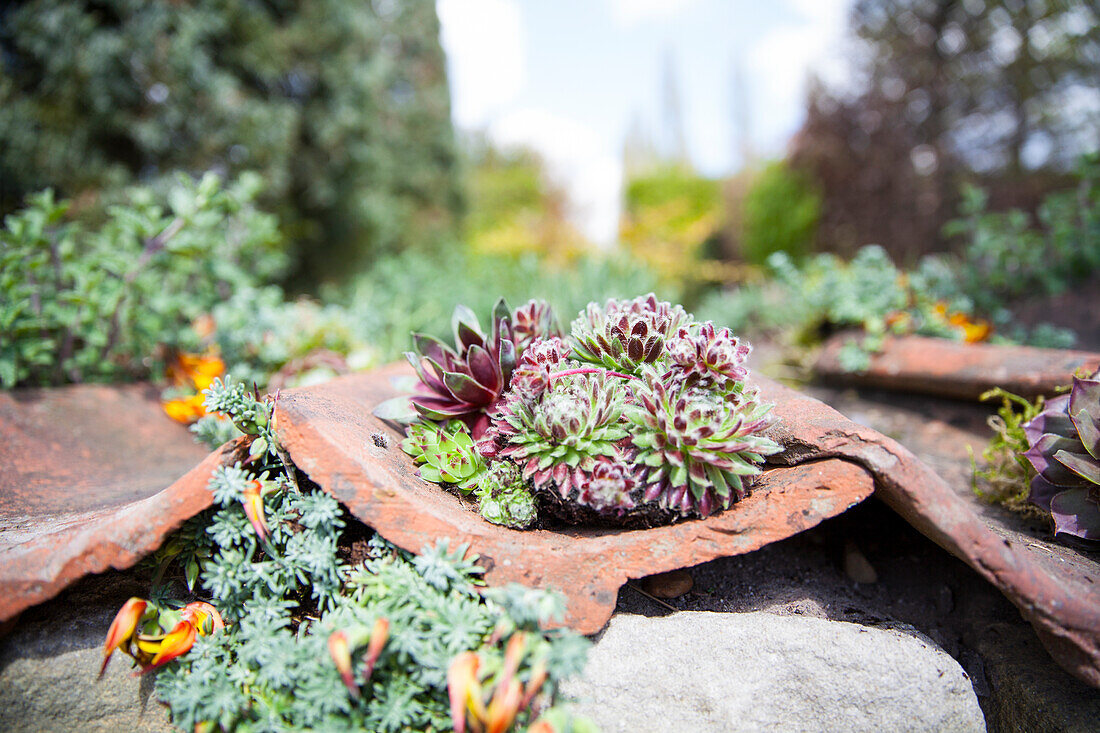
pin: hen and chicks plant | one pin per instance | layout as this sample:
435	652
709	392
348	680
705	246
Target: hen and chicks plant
641	414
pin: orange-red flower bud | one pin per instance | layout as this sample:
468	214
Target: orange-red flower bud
175	643
340	652
254	509
464	690
504	707
122	629
378	636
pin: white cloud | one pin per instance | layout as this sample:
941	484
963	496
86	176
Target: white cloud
585	165
485	45
627	13
787	56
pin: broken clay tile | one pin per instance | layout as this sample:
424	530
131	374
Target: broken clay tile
331	435
1060	599
82	485
956	369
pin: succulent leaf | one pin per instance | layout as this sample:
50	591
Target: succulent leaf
504	497
463	383
1064	442
445	453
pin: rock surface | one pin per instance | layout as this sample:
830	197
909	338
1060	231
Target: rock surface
83	477
697	671
50	660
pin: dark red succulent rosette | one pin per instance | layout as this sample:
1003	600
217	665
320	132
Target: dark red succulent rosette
462	382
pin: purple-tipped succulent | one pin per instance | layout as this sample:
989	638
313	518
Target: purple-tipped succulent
532	321
558	437
693	447
709	357
625	335
1065	451
607	487
540	359
463	381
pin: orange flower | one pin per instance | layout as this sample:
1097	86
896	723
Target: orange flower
198	613
254	509
122	629
378	636
973	331
185	409
340	652
175	643
195	370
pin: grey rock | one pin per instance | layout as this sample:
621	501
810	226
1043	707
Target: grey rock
49	661
700	671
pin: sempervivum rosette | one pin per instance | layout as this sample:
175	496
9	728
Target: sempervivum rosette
464	380
1065	451
625	335
532	321
709	357
693	447
557	436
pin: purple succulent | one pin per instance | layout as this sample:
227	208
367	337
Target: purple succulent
559	436
607	487
540	359
709	357
624	335
1065	452
532	321
463	381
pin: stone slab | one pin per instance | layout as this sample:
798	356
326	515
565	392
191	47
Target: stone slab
83	485
332	436
698	671
955	369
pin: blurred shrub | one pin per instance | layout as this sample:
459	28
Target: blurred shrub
670	215
342	108
410	292
780	214
514	209
95	302
1006	257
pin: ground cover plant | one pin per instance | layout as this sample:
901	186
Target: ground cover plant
276	610
641	415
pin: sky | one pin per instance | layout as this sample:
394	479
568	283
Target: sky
569	78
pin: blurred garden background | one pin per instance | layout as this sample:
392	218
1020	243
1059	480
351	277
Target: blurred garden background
288	189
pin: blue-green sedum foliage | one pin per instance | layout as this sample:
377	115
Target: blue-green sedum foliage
282	597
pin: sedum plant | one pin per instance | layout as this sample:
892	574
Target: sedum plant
642	415
307	621
1064	450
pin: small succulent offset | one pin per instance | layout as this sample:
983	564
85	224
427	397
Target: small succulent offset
641	415
1064	449
445	453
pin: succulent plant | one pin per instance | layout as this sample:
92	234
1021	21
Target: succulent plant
1065	451
445	453
504	498
693	447
464	380
625	335
541	359
560	434
608	487
709	357
532	321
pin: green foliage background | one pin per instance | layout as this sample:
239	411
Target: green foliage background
342	108
781	212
